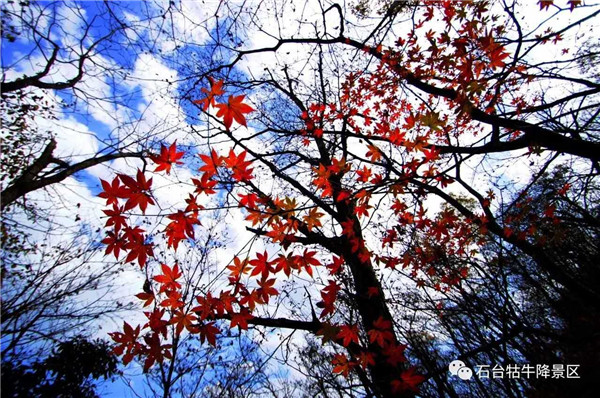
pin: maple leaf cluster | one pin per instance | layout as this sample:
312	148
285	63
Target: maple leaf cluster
464	55
251	280
233	109
370	107
170	311
545	4
362	355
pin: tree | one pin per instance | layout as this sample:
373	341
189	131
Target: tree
51	292
232	366
67	372
523	310
340	184
28	154
56	85
336	175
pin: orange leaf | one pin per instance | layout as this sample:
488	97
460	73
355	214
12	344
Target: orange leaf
182	319
238	268
312	219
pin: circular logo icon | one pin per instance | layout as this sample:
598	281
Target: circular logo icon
465	373
460	369
455	366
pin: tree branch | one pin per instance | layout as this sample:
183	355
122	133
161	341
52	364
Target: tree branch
29	182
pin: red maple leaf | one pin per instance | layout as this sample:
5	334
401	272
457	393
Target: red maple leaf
381	333
173	300
278	232
138	191
408	381
180	228
433	153
239	166
112	192
148	298
329	294
167	157
115	218
115	244
261	265
234	109
248	200
307	261
321	181
137	246
208	332
204	184
211	163
284	263
156	351
395	353
362	210
205	308
240	319
348	334
336	265
168	278
373	153
497	56
216	88
364	175
224	303
266	289
156	322
343	195
366	359
545	4
342	365
127	342
574	3
251	299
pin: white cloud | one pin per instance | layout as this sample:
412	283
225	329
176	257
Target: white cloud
75	140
